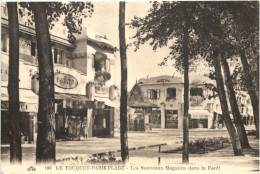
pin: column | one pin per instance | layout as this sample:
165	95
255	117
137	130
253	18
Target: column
90	121
111	122
163	115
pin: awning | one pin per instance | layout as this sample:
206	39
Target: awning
74	101
108	102
27	98
70	96
25	95
200	114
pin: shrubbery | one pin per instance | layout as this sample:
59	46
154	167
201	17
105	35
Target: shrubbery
90	159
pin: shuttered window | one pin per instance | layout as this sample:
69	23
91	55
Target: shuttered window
153	93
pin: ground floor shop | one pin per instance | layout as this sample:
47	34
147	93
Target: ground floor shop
200	118
141	119
80	118
76	118
27	115
173	118
28	127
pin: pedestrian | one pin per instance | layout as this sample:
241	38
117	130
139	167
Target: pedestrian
85	127
78	128
70	130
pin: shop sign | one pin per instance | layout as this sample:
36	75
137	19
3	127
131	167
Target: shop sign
139	110
65	81
24	107
101	89
196	100
77	104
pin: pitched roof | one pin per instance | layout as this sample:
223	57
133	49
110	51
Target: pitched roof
137	100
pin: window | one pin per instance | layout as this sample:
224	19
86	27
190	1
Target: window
196	92
60	57
33	48
4	43
153	93
171	93
93	60
107	65
102	64
55	55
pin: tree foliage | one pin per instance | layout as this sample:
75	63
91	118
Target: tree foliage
164	25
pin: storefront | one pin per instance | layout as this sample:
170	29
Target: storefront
200	119
27	116
141	119
156	118
103	117
171	120
71	115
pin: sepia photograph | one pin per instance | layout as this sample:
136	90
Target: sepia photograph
130	87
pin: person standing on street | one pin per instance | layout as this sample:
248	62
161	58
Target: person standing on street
85	127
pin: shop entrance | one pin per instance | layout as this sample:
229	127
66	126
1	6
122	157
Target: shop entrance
171	119
198	123
101	123
69	123
26	122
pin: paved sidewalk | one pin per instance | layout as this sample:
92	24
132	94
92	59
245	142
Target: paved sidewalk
149	156
94	145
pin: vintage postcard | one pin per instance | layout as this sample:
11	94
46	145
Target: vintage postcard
130	87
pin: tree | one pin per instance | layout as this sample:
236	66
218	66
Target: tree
185	154
234	107
45	15
211	38
224	106
45	147
172	22
205	36
13	84
123	98
251	90
245	33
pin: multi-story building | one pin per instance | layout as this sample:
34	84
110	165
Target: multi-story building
84	81
167	93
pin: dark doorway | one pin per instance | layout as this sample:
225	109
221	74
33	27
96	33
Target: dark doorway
101	123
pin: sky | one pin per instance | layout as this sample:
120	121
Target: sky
142	63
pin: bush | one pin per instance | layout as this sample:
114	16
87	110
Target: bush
83	160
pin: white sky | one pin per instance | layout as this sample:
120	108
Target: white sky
105	20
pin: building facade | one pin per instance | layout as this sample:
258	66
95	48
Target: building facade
204	109
85	91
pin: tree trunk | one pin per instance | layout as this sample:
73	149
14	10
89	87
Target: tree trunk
234	107
251	90
224	106
13	84
185	153
45	147
123	99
